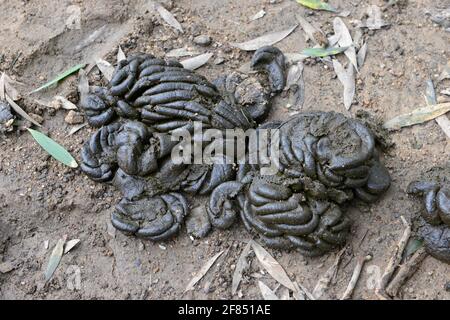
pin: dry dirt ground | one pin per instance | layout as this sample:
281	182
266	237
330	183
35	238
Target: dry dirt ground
41	200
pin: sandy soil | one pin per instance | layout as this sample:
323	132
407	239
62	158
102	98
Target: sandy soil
41	200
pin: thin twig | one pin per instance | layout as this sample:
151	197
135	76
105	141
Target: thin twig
355	277
395	260
406	271
324	282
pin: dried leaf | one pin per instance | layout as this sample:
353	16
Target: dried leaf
321	52
54	149
347	78
106	68
83	84
324	281
345	40
362	53
76	128
445	74
55	258
20	111
272	266
374	20
168	17
9	88
266	292
312	32
430	95
296	85
265	40
417	116
258	15
241	265
317	5
65	104
62	76
203	271
120	55
180	52
196	62
70	245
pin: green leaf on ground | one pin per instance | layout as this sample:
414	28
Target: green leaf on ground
54	149
321	52
317	5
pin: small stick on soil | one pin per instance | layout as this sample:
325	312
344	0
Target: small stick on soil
406	271
394	261
355	277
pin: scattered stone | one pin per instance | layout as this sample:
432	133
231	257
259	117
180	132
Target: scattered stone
74	117
447	286
37	117
6	267
202	40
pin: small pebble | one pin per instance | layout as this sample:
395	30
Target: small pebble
73	117
202	40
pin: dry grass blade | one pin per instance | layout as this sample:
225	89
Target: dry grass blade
196	62
241	265
203	271
181	52
265	40
345	40
20	111
168	17
55	258
266	292
106	68
417	116
2	86
272	266
325	280
83	84
347	78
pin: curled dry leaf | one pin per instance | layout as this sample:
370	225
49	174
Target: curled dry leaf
8	88
417	116
241	265
196	62
76	128
347	78
430	96
272	266
345	40
258	15
120	55
203	271
168	17
64	103
266	292
70	245
106	68
55	258
361	57
265	40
